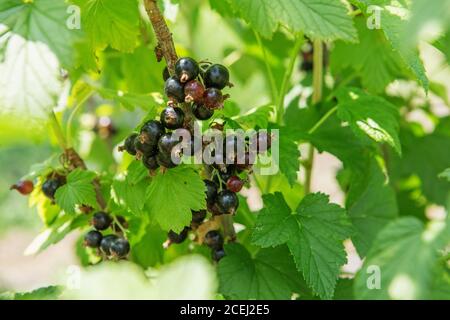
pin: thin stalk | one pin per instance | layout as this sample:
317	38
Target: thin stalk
58	131
322	120
273	86
72	116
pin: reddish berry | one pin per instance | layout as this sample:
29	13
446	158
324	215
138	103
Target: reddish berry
23	186
193	91
235	184
213	98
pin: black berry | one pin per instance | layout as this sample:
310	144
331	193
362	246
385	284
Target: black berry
167	142
213	239
101	220
174	89
216	76
178	237
201	112
193	91
129	144
106	243
172	117
151	131
211	191
218	254
23	187
165	160
213	98
186	69
198	216
227	202
50	186
144	148
120	248
93	239
165	74
234	184
150	162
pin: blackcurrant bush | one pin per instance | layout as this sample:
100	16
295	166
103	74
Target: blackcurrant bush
201	112
213	239
217	254
165	74
120	248
101	220
213	98
23	187
172	117
106	243
50	186
198	216
150	162
186	69
129	145
211	191
93	239
227	202
174	89
178	237
151	131
216	76
193	91
234	184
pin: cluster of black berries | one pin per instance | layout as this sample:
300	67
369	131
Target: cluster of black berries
111	245
214	240
52	183
199	84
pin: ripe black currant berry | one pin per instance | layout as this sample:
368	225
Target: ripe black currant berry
129	145
227	202
50	186
172	117
150	162
213	98
213	239
198	216
120	248
23	187
106	243
216	76
165	160
144	148
211	191
167	142
186	69
201	112
178	237
93	239
193	91
165	74
174	89
217	254
151	131
101	220
234	184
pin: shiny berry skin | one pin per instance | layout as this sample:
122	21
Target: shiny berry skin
120	247
186	69
178	237
213	239
201	112
151	131
24	187
172	117
198	216
234	184
211	191
146	148
217	254
174	90
227	202
165	74
50	186
106	243
165	160
216	76
101	220
129	144
93	239
150	162
167	142
193	91
212	98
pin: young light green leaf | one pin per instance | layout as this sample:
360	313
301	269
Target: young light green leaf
314	236
318	19
257	118
113	22
369	115
78	190
445	174
44	293
405	253
173	194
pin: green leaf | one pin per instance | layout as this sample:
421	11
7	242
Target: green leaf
130	101
372	58
173	194
371	204
314	235
110	22
445	174
32	33
406	254
149	251
78	190
257	118
47	210
270	274
44	293
318	19
289	155
369	115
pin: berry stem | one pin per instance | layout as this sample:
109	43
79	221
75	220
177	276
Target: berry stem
117	222
316	98
57	130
